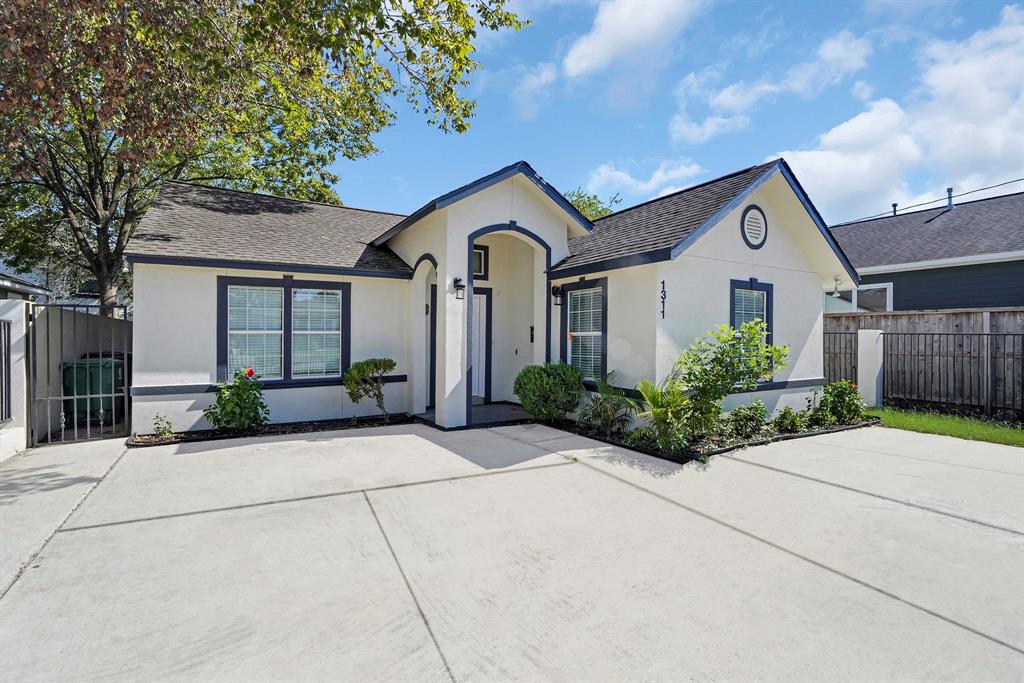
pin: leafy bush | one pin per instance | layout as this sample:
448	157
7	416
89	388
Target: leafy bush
712	367
643	438
818	413
609	410
667	409
162	427
239	404
549	391
843	401
789	421
747	421
365	379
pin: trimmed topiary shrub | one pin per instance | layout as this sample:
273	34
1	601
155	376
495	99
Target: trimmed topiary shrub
789	421
239	404
365	379
550	391
748	421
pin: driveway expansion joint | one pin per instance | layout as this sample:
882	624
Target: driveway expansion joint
816	563
880	496
32	558
408	586
302	499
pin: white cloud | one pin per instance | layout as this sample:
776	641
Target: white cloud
863	91
628	30
607	178
963	126
530	90
837	57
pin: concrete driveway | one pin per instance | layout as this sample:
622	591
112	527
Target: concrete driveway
405	553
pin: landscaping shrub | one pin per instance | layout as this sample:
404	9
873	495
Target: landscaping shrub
365	379
550	391
748	421
789	421
843	401
239	404
840	404
667	409
162	427
609	410
712	367
643	438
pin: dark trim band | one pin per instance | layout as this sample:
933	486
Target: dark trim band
181	389
787	384
265	265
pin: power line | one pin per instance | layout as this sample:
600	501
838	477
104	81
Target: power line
940	199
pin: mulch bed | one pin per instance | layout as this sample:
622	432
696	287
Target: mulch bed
704	451
145	440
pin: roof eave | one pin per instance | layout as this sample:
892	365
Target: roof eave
520	167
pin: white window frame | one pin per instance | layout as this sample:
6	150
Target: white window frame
230	332
887	286
295	333
573	334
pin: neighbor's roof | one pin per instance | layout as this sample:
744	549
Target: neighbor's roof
655	227
479	184
13	283
985	226
195	224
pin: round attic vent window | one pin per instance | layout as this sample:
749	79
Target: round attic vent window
754	227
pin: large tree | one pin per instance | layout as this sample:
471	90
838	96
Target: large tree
591	205
103	100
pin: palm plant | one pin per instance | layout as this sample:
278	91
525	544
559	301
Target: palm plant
609	410
666	409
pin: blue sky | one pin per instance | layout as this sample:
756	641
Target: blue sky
871	102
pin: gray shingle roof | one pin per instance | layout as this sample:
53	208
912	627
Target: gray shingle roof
197	222
985	226
659	224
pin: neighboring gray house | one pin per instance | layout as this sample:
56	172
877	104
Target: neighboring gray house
15	287
967	255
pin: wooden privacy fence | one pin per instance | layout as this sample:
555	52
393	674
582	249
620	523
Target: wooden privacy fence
958	372
840	356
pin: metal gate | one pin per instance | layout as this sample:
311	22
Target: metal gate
79	368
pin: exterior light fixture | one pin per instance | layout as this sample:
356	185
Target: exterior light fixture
460	288
835	289
556	292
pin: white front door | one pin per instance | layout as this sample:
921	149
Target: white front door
479	344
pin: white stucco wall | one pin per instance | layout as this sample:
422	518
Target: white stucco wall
13	433
175	344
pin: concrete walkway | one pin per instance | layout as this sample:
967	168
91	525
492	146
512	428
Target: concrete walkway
515	553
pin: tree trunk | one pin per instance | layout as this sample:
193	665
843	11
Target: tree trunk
107	289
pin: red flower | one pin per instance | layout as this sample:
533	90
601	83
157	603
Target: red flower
249	372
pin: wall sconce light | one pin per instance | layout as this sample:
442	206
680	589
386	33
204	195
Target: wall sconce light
835	289
556	292
460	288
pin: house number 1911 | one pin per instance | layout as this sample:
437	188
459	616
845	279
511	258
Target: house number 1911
663	297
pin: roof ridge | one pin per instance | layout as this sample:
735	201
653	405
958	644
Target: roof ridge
277	196
936	208
688	189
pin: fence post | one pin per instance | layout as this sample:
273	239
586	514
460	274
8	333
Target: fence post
870	366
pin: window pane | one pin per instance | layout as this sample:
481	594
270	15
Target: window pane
478	262
261	352
316	310
873	299
255	308
316	354
586	355
585	311
748	305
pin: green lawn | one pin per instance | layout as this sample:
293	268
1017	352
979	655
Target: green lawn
950	425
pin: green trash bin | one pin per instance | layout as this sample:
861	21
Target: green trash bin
91	381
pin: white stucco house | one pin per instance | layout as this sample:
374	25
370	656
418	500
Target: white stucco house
466	291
